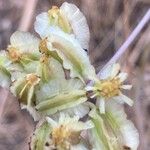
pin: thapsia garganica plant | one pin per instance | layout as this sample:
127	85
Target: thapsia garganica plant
50	76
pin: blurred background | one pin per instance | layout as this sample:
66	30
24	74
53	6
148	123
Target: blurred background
110	22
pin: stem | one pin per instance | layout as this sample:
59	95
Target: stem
129	40
27	15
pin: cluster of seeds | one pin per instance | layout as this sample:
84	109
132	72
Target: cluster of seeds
50	75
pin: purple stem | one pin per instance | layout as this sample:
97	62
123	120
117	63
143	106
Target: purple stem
129	40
